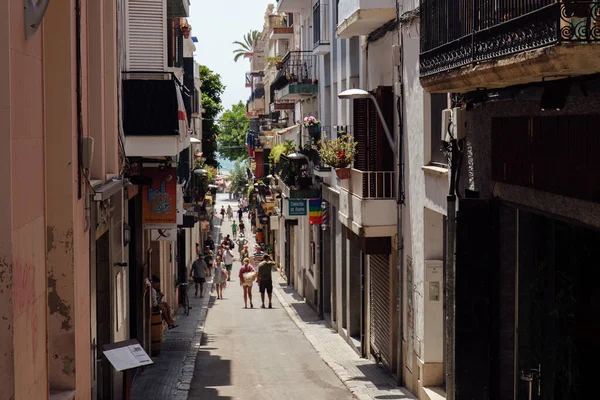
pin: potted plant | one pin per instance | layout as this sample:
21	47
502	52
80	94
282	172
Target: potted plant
312	124
339	154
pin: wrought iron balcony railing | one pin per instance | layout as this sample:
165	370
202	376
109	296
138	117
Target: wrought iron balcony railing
321	35
296	67
455	33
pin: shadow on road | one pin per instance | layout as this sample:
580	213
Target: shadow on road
213	369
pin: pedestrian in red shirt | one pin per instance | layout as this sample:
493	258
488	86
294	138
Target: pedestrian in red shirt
247	276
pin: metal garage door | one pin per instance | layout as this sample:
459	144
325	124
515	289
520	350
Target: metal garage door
380	327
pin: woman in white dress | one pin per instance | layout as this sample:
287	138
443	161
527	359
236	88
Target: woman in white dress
219	276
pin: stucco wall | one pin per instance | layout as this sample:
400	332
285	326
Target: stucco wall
23	365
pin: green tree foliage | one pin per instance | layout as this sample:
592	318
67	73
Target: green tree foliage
212	89
233	126
246	45
239	176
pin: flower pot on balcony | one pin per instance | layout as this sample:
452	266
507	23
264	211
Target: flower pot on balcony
314	129
343	173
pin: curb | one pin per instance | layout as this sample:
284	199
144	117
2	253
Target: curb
339	371
189	362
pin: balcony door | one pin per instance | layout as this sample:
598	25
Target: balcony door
374	153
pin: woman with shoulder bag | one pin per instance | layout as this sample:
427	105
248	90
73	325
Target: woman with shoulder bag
247	276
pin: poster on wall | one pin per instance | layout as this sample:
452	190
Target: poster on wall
159	201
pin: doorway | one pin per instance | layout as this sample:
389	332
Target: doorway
103	317
557	309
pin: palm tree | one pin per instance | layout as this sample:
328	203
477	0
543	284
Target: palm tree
246	45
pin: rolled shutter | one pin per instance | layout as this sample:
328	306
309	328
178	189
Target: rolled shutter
360	134
380	321
146	35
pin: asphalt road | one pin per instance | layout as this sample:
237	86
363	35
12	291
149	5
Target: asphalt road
257	354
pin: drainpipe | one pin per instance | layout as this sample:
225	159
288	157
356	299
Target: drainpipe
399	208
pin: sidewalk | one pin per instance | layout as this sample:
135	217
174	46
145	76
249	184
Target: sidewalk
171	374
364	378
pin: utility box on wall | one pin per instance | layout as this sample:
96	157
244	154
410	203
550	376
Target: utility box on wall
433	349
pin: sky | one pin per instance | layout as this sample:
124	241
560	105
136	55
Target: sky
217	25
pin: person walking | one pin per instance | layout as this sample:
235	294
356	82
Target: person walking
241	242
244	253
234	228
240	212
219	277
198	273
242	228
228	260
229	213
247	276
223	212
210	243
264	279
209	259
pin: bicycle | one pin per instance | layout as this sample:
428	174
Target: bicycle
184	300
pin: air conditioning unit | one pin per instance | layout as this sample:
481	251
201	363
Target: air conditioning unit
454	124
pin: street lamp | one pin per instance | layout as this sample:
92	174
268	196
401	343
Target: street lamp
352	94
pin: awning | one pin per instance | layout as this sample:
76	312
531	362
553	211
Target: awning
153	107
287	130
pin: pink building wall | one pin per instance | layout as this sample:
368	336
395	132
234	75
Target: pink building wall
23	362
44	230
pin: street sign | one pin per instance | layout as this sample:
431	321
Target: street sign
297	208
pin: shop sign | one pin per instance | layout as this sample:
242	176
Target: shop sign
166	235
297	208
159	201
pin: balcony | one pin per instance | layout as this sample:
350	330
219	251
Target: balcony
296	80
321	31
368	204
361	17
282	106
294	179
178	8
154	116
281	27
290	6
478	44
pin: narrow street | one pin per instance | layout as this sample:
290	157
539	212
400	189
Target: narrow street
257	353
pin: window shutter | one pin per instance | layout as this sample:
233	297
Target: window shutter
384	153
360	133
146	35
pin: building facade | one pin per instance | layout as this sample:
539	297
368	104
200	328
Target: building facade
374	269
527	210
74	246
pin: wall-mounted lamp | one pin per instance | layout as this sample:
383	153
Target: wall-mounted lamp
126	234
353	94
34	12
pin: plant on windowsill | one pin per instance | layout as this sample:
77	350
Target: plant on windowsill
339	154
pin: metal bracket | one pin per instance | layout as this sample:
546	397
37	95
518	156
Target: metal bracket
34	12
